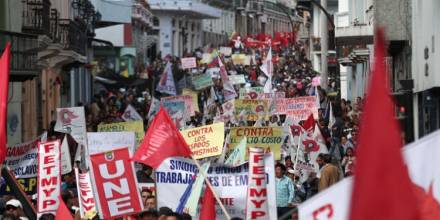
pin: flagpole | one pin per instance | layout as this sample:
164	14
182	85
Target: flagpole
297	149
208	183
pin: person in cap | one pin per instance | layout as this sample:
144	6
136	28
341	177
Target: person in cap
15	208
300	192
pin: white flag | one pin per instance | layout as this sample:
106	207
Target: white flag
130	114
166	83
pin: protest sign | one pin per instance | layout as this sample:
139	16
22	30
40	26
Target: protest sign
257	206
243	94
130	114
85	193
227	51
269	138
98	142
66	161
135	126
166	83
116	191
240	59
188	63
176	110
230	184
253	109
195	98
228	111
28	185
187	99
22	159
49	176
298	108
255	95
202	81
237	79
72	121
205	141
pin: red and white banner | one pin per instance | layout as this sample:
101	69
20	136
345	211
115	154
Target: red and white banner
85	193
257	202
49	176
116	191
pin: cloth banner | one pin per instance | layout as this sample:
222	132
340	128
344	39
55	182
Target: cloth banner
257	206
255	95
187	99
298	108
72	121
188	63
134	126
85	193
130	114
205	141
254	109
230	184
243	93
269	138
98	142
49	177
202	81
115	184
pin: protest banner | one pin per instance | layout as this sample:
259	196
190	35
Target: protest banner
98	142
187	99
134	126
255	95
72	121
49	176
28	185
130	114
22	159
298	108
253	109
243	93
202	81
205	141
195	98
188	63
237	79
230	184
176	110
227	51
116	192
269	138
240	59
257	206
85	193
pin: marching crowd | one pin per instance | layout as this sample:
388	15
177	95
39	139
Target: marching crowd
293	75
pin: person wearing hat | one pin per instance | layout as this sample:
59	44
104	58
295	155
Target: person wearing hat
15	208
300	192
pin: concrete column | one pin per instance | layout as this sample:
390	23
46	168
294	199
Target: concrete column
166	35
324	47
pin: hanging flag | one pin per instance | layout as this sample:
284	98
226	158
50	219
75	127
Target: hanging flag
228	89
85	193
63	212
4	82
161	141
130	114
196	191
208	205
238	155
256	203
383	185
267	69
166	83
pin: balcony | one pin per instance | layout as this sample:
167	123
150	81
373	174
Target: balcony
36	18
72	36
142	14
190	8
23	54
352	32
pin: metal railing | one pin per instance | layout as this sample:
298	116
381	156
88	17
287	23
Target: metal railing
72	36
36	17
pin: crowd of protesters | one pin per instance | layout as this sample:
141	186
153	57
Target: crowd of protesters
293	75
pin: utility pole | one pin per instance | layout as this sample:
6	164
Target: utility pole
324	46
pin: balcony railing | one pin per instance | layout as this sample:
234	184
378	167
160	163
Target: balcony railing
23	54
36	17
73	36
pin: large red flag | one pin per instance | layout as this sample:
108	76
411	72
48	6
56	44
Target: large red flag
63	212
4	80
382	187
208	205
161	141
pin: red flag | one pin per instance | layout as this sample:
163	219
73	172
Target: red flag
382	187
63	212
161	141
208	205
309	123
4	80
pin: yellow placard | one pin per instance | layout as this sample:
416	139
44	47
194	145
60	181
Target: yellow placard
205	141
253	109
134	126
269	138
194	99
